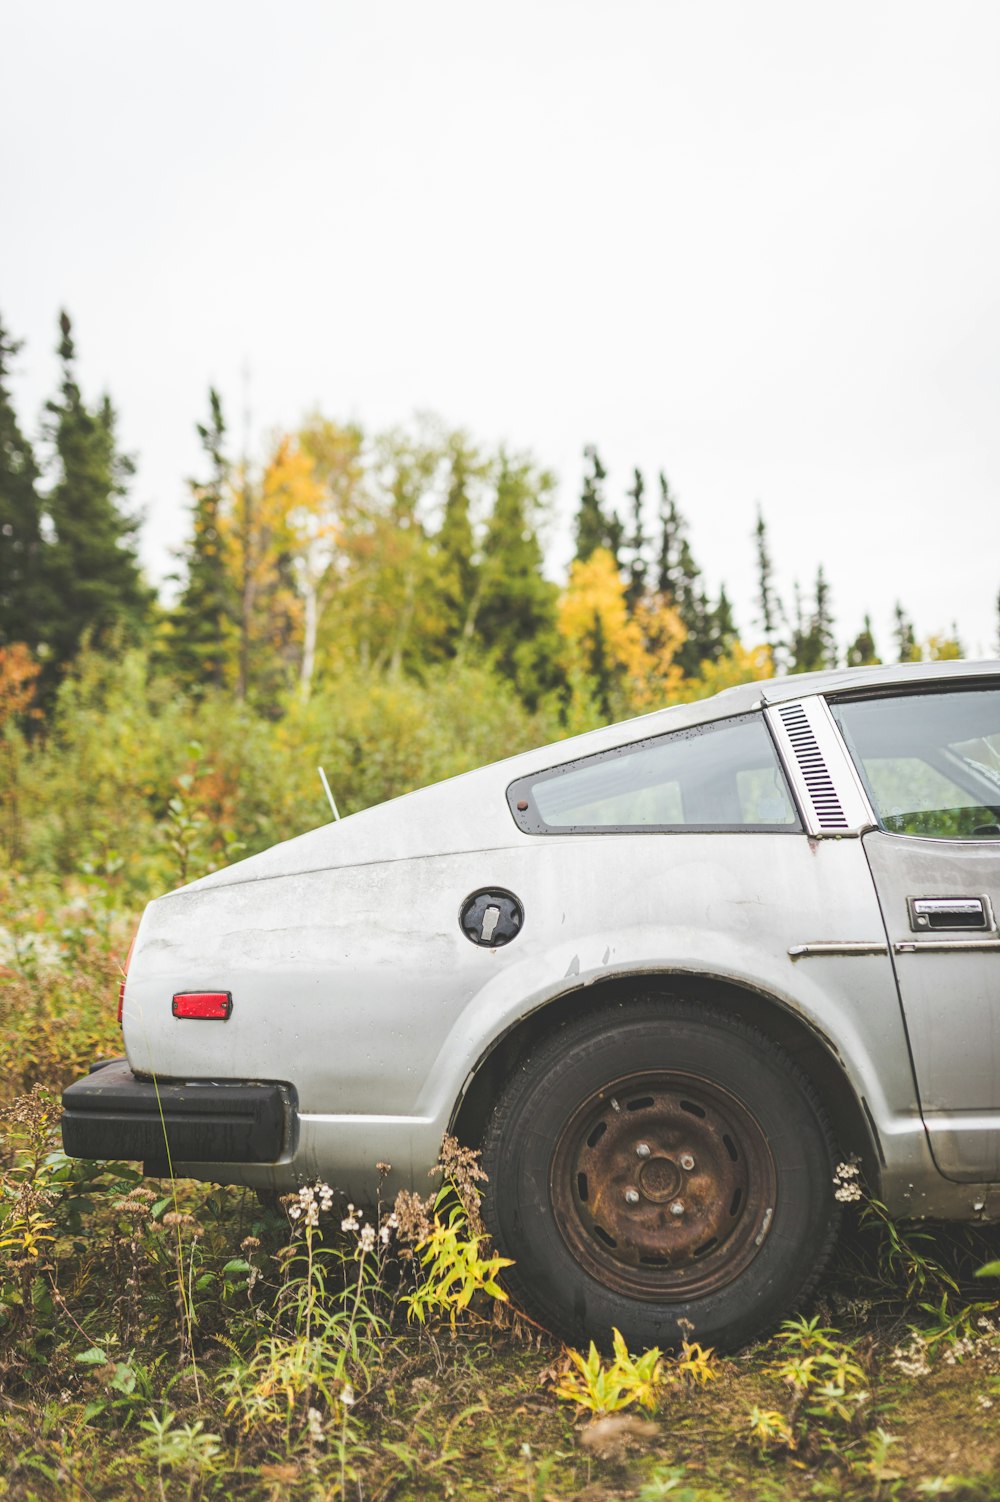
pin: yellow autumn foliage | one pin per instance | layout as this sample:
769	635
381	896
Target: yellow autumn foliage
739	665
640	648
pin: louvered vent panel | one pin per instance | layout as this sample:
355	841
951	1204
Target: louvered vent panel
819	785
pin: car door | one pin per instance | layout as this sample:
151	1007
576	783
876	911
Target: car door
930	761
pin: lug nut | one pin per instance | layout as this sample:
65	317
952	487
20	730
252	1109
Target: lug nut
677	1208
631	1196
687	1162
642	1151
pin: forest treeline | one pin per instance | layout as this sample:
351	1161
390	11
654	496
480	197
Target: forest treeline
379	599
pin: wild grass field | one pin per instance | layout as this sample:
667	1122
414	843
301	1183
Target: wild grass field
182	1340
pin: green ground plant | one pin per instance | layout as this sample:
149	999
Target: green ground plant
600	1387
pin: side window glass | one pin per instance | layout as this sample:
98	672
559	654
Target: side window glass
930	762
722	776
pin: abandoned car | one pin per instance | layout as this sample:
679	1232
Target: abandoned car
667	975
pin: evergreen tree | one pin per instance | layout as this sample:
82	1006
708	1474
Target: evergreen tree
203	621
799	646
724	625
600	669
695	610
822	623
596	527
907	647
768	604
91	565
638	567
516	618
813	643
671	531
710	628
25	601
862	653
455	545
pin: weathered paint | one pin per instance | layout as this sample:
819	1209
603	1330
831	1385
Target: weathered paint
352	980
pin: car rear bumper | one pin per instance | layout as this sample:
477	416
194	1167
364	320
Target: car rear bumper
112	1114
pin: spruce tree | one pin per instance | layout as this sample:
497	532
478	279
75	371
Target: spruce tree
695	611
690	596
679	583
768	604
516	618
25	600
723	624
92	564
596	526
862	652
799	647
455	546
600	669
671	531
203	621
907	647
826	642
813	643
638	567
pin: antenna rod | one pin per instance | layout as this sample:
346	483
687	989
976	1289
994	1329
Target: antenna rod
326	789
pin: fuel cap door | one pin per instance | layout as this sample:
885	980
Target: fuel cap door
491	917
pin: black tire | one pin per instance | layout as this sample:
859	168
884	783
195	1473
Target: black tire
662	1168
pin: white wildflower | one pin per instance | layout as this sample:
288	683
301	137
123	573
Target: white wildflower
312	1215
984	1401
390	1224
351	1220
366	1240
347	1395
315	1421
845	1180
325	1196
911	1359
295	1211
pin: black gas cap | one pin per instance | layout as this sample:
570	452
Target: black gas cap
492	917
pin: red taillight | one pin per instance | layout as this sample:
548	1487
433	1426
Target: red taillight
121	988
211	1006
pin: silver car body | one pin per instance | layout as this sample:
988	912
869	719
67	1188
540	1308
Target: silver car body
353	982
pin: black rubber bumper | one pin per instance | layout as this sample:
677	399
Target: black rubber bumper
112	1114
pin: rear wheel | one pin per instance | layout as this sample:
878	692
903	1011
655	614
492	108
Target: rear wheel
662	1168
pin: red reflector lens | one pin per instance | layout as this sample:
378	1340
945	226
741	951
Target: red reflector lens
215	1006
121	988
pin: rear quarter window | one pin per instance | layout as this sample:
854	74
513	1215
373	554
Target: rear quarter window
724	776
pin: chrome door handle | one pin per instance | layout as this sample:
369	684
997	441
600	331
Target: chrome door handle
930	913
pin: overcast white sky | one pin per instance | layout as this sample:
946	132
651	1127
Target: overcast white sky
755	244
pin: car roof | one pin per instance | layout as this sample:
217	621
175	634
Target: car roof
744	697
835	681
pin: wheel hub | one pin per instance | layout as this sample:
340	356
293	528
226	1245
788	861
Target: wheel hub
662	1184
659	1179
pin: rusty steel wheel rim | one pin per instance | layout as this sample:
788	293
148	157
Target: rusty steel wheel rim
663	1186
